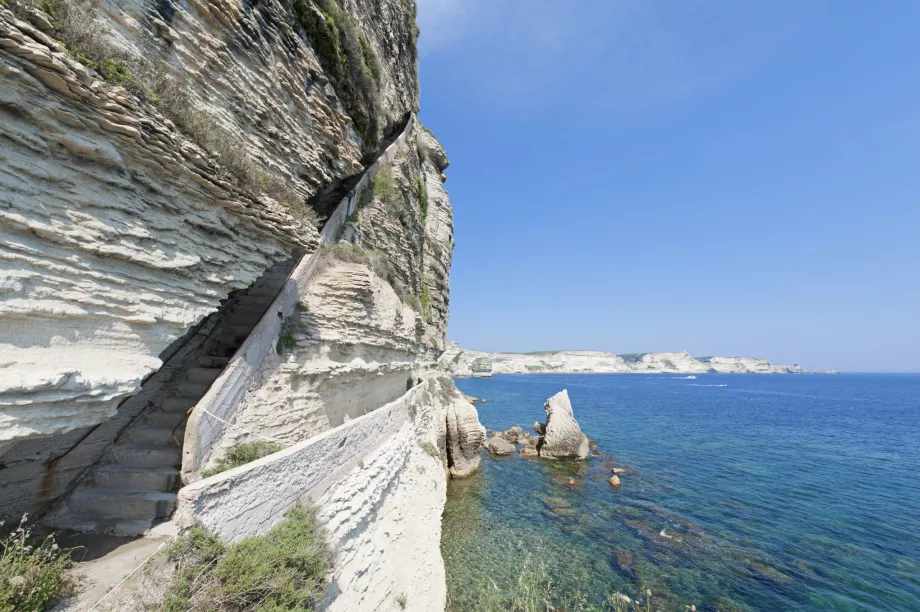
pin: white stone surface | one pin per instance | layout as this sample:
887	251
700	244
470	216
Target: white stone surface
378	490
563	438
458	361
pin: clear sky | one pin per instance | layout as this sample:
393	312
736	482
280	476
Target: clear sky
721	177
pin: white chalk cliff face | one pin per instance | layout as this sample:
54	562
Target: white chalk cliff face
459	362
125	225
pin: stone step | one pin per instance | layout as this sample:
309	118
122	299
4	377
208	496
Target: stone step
67	520
144	434
122	504
177	403
192	389
266	290
220	350
137	478
162	418
210	361
244	317
202	375
146	455
254	302
238	330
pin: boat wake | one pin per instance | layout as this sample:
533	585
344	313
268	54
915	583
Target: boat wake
693	385
691	377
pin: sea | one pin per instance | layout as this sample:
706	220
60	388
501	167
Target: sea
743	492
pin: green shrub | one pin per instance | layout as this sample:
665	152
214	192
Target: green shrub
387	189
285	569
431	450
426	303
421	151
377	261
32	573
241	454
414	303
347	59
632	357
422	199
286	338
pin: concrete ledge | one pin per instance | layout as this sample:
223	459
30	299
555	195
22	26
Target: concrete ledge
203	432
250	499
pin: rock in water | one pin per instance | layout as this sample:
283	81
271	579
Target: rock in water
614	481
464	434
514	435
499	446
563	438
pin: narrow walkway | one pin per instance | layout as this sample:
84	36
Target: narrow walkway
135	483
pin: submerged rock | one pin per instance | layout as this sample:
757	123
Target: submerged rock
563	438
499	446
614	481
528	451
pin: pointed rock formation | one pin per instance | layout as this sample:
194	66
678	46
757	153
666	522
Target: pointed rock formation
465	434
563	438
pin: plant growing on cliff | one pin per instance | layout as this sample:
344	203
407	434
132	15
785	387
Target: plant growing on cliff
422	199
285	569
347	58
32	573
286	338
426	303
387	189
241	454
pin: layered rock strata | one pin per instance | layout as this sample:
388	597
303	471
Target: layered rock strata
563	438
119	231
465	362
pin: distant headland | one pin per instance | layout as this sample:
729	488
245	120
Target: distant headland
466	362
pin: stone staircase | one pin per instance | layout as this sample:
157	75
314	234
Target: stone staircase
136	481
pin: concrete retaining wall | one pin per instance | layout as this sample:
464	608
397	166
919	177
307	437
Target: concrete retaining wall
250	499
203	430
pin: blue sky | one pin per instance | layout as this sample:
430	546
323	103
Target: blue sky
721	177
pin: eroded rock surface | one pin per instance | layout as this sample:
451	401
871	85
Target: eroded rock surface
499	446
464	434
563	438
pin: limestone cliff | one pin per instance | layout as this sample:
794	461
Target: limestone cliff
465	362
157	159
222	221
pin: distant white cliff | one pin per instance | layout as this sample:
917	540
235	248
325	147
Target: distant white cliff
465	362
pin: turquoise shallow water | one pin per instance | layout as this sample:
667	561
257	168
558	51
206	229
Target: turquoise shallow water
748	492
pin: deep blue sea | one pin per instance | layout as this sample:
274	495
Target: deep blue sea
746	492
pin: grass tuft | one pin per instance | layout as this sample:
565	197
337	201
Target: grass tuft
387	189
285	569
431	450
32	572
422	199
241	454
347	58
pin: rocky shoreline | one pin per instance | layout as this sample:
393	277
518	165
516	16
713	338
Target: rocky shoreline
461	362
560	437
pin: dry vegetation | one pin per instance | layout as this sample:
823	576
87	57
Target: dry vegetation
33	571
285	569
241	454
